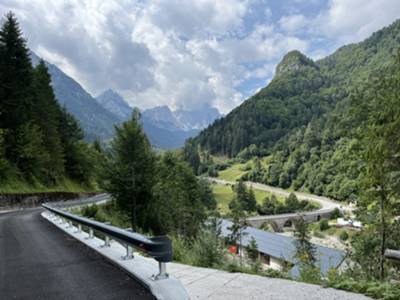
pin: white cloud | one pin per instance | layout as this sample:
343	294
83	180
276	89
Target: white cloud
293	23
353	20
187	53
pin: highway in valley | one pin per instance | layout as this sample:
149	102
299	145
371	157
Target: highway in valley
39	261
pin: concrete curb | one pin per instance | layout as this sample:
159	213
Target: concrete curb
140	267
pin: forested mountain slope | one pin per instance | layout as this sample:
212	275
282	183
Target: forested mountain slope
301	90
304	119
96	121
298	92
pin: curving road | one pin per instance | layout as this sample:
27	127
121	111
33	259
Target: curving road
39	261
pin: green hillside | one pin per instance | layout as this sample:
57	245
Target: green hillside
303	119
41	144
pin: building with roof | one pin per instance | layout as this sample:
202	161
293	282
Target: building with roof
277	251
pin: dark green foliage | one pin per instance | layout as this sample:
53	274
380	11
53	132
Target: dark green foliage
90	211
212	172
252	249
244	197
374	289
32	157
268	206
130	172
250	152
344	236
336	214
323	225
16	77
272	206
292	203
303	119
251	204
158	194
206	194
238	221
39	144
180	201
191	155
290	100
47	115
378	204
305	251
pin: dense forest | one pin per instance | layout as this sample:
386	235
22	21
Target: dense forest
304	120
41	144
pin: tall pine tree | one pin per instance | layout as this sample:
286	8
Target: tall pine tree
16	74
47	114
130	173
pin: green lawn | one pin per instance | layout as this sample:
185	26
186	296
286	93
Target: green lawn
233	173
224	194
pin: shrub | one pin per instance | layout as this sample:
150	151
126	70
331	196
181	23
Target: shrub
374	289
181	249
311	206
319	234
323	225
336	214
90	211
344	236
212	172
310	274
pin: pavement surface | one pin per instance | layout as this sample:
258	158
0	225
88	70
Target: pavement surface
39	261
211	284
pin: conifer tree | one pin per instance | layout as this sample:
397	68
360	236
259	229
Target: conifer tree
16	83
130	172
179	198
47	115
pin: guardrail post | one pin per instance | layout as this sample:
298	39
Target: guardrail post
106	242
79	230
129	253
90	234
163	271
69	224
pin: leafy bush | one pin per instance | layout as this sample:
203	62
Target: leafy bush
323	225
90	211
311	206
222	166
374	289
336	214
212	172
319	234
344	236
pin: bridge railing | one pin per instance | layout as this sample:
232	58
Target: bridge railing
159	248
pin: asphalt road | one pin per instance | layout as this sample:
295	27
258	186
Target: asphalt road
39	261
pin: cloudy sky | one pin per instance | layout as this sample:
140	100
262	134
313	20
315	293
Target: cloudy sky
189	53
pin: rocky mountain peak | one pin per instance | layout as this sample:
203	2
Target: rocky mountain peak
293	61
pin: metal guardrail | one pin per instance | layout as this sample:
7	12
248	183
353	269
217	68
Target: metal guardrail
159	248
393	254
